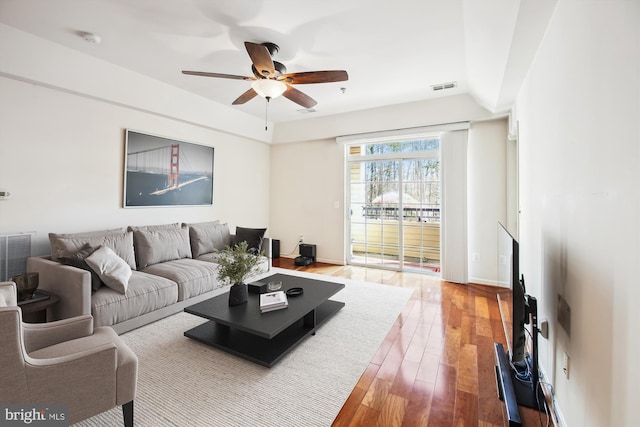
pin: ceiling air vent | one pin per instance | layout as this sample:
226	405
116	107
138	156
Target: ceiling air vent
443	86
307	110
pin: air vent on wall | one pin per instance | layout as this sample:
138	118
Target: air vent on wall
14	251
443	86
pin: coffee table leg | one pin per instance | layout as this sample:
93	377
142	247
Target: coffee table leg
309	320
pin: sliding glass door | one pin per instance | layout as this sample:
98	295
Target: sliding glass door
394	199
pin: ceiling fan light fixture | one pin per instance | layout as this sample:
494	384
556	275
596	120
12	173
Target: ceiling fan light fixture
268	88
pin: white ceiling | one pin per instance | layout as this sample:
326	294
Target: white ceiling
393	51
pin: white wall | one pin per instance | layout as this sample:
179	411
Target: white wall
579	121
63	161
307	197
486	196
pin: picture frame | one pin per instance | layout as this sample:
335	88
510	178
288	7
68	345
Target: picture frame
161	171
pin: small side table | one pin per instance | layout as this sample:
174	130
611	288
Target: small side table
34	310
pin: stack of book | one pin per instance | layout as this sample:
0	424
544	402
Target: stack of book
273	301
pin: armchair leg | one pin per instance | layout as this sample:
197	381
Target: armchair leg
127	412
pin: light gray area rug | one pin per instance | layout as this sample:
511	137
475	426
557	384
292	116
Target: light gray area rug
184	383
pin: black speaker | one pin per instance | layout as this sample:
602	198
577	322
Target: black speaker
308	251
275	248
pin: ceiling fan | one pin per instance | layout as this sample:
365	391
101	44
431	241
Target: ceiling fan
270	78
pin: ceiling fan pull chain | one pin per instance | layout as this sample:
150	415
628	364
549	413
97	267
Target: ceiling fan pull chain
266	112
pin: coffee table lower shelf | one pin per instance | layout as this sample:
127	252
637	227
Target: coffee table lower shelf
261	350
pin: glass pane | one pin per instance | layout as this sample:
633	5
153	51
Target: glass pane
400	146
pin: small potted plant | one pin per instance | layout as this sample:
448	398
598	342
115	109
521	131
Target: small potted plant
235	264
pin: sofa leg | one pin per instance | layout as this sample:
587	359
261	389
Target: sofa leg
127	413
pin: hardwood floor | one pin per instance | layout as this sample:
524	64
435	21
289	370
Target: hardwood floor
436	364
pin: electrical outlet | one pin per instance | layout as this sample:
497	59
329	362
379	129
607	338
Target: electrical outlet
301	239
566	361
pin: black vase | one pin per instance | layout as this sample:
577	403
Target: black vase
238	294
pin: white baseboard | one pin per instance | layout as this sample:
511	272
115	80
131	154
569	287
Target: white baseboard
561	422
479	281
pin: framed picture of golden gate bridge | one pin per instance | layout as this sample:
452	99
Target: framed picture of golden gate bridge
166	172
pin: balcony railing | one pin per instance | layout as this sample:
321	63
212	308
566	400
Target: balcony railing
420	214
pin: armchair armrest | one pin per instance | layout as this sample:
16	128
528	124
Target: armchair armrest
8	294
41	335
72	285
87	371
106	354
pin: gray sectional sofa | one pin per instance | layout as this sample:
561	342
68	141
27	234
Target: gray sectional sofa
126	278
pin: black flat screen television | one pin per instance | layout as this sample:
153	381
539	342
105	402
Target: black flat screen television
519	376
509	273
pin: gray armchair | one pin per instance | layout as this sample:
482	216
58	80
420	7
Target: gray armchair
64	362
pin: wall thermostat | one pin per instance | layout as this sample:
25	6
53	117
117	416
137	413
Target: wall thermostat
4	195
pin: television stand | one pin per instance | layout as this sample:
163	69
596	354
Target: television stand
514	388
509	383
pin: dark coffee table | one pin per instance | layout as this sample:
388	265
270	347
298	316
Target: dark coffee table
264	338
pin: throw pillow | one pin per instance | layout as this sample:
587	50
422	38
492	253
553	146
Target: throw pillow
60	241
253	237
208	237
113	270
121	242
78	260
160	245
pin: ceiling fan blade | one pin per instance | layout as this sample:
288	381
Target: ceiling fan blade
222	76
261	58
316	77
298	97
247	96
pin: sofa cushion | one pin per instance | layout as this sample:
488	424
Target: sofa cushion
119	240
207	237
153	227
160	245
253	237
145	293
113	270
78	260
193	277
